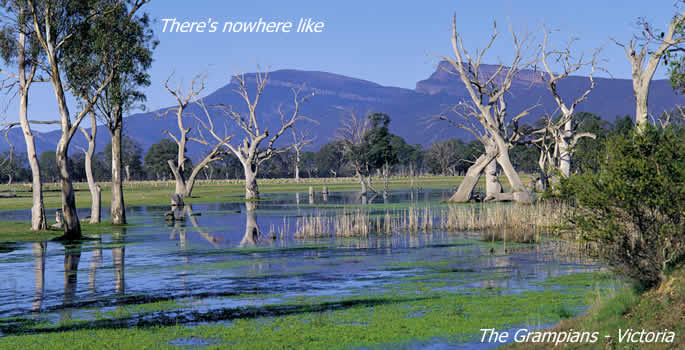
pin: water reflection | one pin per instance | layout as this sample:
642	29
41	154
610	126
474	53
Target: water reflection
95	263
252	232
72	257
118	256
39	254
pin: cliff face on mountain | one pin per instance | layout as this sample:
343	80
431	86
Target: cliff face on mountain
335	96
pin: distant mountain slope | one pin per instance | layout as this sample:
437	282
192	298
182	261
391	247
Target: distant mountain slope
335	96
609	98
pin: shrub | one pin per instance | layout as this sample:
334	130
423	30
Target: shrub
634	205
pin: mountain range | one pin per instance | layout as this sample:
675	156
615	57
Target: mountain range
411	110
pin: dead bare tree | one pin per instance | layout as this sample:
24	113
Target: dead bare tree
184	99
248	151
351	133
547	139
562	130
493	125
300	139
644	59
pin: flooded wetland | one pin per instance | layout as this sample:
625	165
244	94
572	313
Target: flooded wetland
297	271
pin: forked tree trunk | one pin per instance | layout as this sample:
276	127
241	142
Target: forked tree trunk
492	185
209	158
72	227
520	193
118	209
191	180
178	176
470	180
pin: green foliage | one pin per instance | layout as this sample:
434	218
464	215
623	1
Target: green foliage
633	206
408	156
329	159
12	169
156	158
525	158
131	157
48	166
378	142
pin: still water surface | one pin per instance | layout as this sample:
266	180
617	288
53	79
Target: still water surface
227	257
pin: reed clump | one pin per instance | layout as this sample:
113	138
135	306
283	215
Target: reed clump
508	222
495	221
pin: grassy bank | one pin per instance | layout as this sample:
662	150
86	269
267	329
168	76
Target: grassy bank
659	309
213	191
18	231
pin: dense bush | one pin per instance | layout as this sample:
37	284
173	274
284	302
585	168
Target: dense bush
634	205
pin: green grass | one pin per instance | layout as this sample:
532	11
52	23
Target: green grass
653	310
365	320
17	231
157	193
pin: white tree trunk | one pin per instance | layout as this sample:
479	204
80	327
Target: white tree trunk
297	165
641	112
465	190
95	191
565	151
521	194
251	187
492	185
117	207
38	220
92	186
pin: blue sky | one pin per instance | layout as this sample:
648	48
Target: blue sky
388	42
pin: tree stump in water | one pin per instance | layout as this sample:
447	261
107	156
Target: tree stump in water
176	213
176	200
59	221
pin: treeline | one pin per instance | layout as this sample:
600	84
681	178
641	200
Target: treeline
449	157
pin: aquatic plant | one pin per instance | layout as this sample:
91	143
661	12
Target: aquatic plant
496	222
